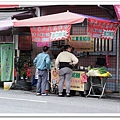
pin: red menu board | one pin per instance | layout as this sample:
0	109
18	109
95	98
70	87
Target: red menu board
50	33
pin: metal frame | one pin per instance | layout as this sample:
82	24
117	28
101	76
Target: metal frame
102	85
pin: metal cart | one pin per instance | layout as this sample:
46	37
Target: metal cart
76	82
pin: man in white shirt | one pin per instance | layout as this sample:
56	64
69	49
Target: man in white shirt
64	62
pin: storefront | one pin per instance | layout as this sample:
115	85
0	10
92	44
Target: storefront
109	47
86	57
23	53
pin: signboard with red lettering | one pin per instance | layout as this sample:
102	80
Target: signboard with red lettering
101	29
50	33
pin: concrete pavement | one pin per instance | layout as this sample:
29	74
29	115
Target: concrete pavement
26	102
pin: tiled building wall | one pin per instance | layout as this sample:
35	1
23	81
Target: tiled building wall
86	61
81	9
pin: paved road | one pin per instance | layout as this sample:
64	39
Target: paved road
18	101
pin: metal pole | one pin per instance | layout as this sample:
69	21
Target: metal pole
15	39
117	67
38	11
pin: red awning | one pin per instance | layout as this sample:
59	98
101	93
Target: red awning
8	6
54	19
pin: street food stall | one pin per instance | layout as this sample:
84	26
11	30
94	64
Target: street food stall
77	82
59	29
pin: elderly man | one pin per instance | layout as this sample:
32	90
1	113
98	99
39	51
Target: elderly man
42	63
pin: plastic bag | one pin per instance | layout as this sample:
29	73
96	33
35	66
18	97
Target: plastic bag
84	78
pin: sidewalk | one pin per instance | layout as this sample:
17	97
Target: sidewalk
111	95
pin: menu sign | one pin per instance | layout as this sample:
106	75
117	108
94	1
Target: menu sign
82	43
50	33
101	29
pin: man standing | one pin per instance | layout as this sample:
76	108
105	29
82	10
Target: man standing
65	60
42	63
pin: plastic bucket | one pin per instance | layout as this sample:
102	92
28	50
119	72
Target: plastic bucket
7	85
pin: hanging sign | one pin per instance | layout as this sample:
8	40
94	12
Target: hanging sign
101	29
7	53
82	43
41	44
50	33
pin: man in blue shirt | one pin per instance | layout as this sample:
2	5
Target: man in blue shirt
42	63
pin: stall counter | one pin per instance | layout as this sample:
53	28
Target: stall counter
76	82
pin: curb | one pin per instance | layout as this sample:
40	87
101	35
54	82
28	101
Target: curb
113	95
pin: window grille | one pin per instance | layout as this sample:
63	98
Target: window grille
103	45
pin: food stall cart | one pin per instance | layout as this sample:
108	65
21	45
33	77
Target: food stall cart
77	82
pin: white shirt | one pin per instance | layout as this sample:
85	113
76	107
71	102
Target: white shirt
66	56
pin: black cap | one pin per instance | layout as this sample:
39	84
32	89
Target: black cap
45	48
67	46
